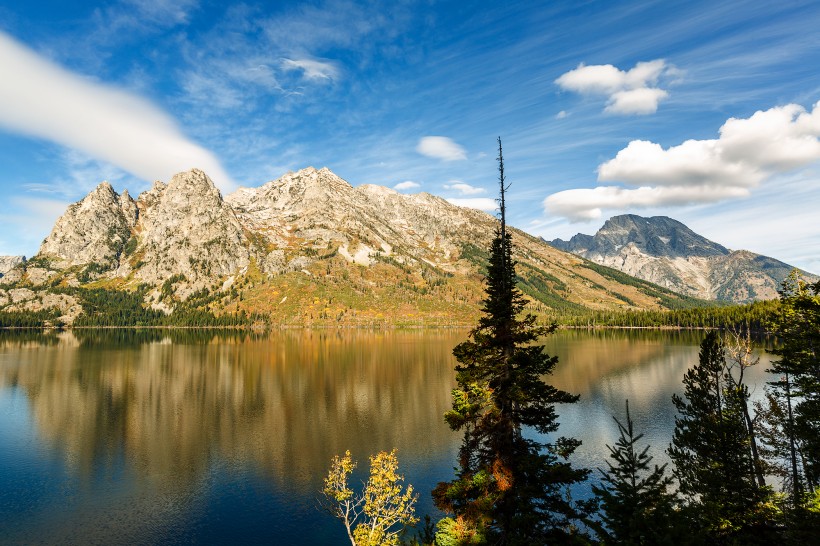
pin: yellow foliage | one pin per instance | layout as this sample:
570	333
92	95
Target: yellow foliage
377	516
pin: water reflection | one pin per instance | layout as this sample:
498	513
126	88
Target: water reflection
284	404
159	434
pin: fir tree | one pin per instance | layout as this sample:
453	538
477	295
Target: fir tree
711	452
509	489
792	413
798	328
636	506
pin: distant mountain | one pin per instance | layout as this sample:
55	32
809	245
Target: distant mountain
307	248
666	252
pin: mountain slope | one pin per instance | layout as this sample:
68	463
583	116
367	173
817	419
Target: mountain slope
666	252
307	248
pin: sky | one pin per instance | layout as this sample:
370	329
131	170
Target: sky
706	112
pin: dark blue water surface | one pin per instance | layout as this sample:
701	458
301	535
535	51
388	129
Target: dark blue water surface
181	437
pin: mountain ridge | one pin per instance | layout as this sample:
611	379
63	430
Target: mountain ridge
305	248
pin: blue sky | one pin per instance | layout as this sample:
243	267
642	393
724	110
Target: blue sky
702	111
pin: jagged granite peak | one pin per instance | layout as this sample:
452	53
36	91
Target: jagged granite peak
666	252
187	229
321	208
129	209
92	230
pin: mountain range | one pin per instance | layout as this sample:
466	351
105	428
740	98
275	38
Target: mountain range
306	248
666	252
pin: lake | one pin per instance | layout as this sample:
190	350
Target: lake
171	437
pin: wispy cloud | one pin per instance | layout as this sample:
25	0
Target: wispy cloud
463	188
163	11
47	101
440	147
748	152
629	92
312	69
406	185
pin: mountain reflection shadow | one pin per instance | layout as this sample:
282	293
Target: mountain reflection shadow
281	405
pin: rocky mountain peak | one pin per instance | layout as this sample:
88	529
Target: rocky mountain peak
665	251
658	236
91	231
187	229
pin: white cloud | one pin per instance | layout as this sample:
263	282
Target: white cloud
406	185
312	69
629	92
463	188
635	101
47	101
441	147
481	203
748	153
588	204
561	115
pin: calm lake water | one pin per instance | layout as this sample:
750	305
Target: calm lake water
171	437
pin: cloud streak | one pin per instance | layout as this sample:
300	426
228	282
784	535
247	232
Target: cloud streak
748	152
629	92
44	100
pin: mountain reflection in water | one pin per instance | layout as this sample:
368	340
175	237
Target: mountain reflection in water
141	436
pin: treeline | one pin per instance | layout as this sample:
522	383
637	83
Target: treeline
29	319
122	308
134	337
756	316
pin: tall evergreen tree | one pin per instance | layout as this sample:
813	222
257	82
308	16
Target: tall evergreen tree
711	452
509	489
636	505
792	412
798	328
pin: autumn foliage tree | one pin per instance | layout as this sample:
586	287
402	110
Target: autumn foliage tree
378	515
510	488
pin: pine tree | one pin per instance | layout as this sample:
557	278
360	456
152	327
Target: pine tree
798	328
636	506
509	489
792	413
711	452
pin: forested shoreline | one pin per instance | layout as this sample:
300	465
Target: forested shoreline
126	309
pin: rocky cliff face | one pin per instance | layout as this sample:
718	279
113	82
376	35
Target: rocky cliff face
91	231
666	252
185	228
7	263
307	246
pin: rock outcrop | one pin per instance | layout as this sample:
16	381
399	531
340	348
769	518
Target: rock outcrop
91	231
7	263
